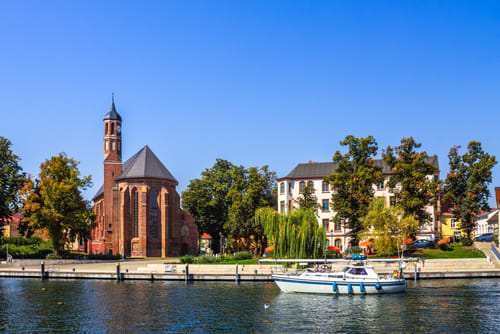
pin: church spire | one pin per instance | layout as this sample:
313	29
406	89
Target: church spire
112	114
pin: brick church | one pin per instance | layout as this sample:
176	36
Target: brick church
137	208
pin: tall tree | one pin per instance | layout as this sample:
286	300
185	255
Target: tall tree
225	198
413	183
352	181
253	188
54	202
11	180
307	199
388	226
294	235
466	185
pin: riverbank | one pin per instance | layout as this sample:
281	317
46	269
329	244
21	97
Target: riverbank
166	270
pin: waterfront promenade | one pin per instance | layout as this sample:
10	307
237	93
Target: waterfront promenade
169	270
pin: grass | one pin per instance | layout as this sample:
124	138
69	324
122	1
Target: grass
456	253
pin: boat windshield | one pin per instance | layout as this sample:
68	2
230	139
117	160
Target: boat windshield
358	271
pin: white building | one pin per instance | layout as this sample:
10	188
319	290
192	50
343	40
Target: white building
486	223
290	186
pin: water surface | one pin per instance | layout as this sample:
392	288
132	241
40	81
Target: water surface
432	306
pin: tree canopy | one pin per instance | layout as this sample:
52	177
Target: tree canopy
413	182
296	235
352	181
466	185
387	226
225	198
11	180
53	202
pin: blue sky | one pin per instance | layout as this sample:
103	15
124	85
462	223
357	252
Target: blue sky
253	82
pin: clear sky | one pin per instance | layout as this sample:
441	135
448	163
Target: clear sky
254	82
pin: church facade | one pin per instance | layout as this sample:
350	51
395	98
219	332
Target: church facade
137	208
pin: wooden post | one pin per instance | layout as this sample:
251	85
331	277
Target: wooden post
237	277
118	271
187	272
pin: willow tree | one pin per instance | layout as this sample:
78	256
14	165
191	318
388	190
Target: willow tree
295	235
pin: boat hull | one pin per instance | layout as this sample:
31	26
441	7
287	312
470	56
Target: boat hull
297	284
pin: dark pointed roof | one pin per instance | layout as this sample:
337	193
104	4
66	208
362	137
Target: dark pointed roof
112	114
145	164
322	169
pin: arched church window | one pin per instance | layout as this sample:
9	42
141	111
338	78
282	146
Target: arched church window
153	214
135	216
106	128
112	128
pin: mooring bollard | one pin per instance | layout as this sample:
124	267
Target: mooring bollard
237	277
187	272
117	271
415	278
42	272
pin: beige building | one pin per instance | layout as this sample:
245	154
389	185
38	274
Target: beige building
291	185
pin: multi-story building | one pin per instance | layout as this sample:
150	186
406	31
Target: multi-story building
291	186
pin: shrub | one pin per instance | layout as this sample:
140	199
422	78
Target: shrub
187	259
354	250
226	257
242	256
51	256
467	242
332	254
206	259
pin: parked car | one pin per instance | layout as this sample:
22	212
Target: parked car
485	237
423	244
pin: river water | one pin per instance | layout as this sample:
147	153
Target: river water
71	306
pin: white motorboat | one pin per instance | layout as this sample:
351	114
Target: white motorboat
358	277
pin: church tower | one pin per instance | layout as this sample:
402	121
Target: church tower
112	169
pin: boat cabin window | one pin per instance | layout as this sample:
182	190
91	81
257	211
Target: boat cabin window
358	271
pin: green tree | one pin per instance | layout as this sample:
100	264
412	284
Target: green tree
413	183
387	226
307	199
296	235
253	188
466	185
11	180
54	202
352	181
225	198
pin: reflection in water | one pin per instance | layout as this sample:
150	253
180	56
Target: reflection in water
458	306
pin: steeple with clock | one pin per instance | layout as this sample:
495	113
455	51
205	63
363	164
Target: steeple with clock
112	135
112	169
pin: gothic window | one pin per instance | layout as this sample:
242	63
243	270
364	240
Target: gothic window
135	217
153	214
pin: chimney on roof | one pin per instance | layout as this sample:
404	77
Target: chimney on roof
310	161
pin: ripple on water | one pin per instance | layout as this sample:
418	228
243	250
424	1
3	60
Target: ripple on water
458	306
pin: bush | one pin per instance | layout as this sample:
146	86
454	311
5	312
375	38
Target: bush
51	256
467	242
206	259
187	259
354	250
242	256
226	257
332	254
